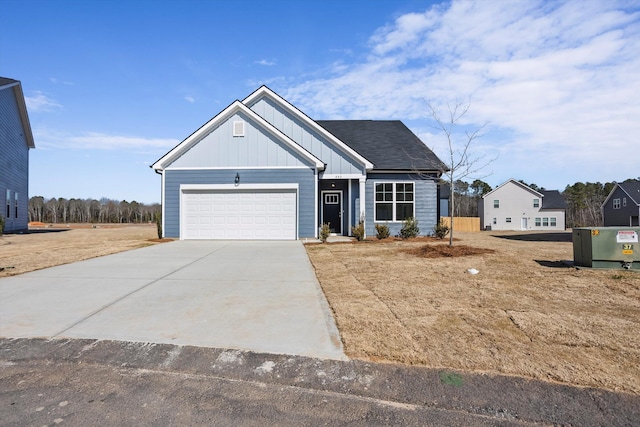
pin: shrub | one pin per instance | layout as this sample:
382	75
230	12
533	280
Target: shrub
325	230
1	225
409	228
358	231
441	229
158	218
382	231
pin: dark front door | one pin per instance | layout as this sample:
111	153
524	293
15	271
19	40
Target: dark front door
332	211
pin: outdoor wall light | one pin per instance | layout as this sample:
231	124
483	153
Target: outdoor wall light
237	180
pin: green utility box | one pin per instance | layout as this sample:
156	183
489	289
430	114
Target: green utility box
607	247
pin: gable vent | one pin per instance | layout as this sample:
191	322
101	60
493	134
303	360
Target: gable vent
238	128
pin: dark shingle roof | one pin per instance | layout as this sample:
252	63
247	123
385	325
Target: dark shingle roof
552	199
388	144
632	188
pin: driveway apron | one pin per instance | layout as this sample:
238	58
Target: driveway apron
254	295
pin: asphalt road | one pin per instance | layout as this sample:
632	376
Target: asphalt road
80	382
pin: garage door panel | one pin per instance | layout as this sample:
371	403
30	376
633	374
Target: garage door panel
259	214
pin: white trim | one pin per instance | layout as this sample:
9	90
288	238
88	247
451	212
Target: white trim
341	197
215	122
236	168
162	187
238	128
315	198
362	197
394	202
264	91
228	187
342	176
349	201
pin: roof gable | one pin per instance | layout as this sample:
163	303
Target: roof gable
265	92
388	144
235	108
16	87
631	188
516	183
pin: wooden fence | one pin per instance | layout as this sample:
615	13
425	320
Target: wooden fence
461	223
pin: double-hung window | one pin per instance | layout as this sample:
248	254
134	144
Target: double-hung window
536	203
8	215
616	203
394	201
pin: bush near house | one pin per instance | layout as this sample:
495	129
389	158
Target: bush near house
409	228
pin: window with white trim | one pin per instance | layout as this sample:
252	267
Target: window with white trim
536	203
616	203
8	204
508	220
496	204
552	221
545	222
538	222
394	201
16	204
238	128
624	202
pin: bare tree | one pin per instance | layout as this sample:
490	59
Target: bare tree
461	163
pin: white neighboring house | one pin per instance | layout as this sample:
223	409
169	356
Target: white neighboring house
515	206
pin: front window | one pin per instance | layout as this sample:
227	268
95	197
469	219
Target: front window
538	223
552	221
545	222
616	203
394	201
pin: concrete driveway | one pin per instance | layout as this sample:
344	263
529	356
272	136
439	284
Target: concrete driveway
255	295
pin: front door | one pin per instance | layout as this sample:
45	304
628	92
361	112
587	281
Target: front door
524	224
332	210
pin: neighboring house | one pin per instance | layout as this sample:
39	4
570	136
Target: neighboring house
262	169
515	206
16	139
622	206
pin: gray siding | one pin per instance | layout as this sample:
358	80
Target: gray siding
304	177
256	149
426	202
14	163
337	162
620	217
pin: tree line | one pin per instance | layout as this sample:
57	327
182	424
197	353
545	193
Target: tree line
105	210
583	199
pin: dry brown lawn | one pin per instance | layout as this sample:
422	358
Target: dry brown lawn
525	313
48	246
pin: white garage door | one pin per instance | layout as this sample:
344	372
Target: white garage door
252	214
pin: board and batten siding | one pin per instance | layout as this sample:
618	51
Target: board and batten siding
304	177
426	202
14	163
338	163
256	148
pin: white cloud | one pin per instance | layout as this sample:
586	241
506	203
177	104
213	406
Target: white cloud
266	62
190	99
55	80
559	78
39	102
52	139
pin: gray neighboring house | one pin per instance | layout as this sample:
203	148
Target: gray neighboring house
16	139
263	169
515	206
622	206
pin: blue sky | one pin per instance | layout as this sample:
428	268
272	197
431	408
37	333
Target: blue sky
111	86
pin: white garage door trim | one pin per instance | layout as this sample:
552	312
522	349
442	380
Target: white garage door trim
282	199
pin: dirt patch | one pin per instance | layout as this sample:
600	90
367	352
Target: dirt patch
444	250
48	246
526	312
